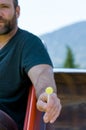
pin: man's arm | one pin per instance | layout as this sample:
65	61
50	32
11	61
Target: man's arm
42	77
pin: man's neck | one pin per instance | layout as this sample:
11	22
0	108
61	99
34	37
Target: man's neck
6	37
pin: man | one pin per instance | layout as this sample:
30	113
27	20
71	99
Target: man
23	61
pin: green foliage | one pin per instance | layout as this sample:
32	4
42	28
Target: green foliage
69	61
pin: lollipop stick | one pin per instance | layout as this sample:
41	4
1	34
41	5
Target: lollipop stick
49	90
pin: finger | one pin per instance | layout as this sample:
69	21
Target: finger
53	111
50	114
55	115
41	105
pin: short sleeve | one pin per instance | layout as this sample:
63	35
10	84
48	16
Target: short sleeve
34	53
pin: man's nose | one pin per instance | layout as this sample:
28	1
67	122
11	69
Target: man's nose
1	12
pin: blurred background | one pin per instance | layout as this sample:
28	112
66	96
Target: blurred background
61	24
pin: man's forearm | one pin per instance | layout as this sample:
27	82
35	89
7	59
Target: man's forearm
42	76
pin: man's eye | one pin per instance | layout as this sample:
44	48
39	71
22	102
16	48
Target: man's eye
5	6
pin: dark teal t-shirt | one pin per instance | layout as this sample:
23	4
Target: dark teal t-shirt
22	52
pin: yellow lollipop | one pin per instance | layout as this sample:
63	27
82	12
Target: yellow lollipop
49	90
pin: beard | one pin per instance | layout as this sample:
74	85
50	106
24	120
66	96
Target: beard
8	25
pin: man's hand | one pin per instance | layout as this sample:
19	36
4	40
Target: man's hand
42	76
51	106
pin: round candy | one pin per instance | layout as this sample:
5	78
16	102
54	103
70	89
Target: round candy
49	90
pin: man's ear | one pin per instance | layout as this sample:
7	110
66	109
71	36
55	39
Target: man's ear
17	11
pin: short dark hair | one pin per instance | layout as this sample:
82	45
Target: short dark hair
15	3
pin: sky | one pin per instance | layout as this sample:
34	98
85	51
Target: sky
42	16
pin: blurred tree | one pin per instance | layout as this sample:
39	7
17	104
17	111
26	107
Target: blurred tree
69	61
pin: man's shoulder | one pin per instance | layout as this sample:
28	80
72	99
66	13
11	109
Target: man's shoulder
29	35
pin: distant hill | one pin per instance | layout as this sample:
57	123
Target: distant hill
74	36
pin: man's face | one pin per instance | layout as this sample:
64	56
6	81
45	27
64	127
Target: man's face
8	16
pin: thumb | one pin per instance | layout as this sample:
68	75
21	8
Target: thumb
42	103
